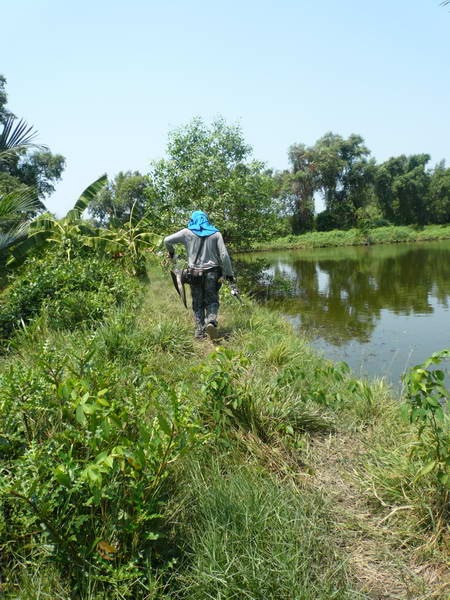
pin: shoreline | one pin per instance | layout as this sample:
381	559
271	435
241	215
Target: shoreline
355	237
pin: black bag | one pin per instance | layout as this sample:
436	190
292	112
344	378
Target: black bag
192	275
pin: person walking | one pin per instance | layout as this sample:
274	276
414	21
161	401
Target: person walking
208	261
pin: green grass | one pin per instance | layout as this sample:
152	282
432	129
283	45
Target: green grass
247	535
238	511
356	237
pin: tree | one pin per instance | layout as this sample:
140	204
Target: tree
299	187
209	168
22	162
344	175
129	194
440	194
402	187
339	169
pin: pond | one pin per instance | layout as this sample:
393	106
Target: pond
381	309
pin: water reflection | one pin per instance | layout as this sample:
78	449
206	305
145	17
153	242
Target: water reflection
342	294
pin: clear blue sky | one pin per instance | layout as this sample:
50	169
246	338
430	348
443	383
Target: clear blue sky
104	81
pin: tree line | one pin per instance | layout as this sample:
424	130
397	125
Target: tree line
210	166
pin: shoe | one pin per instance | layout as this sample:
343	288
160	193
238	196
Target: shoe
212	331
200	334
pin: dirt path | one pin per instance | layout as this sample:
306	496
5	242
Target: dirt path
383	571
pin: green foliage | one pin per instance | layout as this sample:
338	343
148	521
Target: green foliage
356	191
104	486
71	293
440	194
227	401
407	467
340	170
69	233
85	460
15	208
129	193
369	217
402	188
249	536
297	187
130	243
357	237
427	406
208	168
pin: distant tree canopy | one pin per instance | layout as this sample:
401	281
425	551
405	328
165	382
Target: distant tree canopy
358	192
209	167
128	196
35	167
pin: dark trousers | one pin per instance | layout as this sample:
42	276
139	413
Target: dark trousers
205	297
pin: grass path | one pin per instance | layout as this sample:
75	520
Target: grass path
384	570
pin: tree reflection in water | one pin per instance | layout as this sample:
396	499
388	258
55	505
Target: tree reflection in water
339	293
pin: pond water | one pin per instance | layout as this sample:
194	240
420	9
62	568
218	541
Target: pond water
381	309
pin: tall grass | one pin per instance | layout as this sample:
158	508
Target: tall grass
248	536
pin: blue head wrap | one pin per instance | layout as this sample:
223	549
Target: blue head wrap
200	225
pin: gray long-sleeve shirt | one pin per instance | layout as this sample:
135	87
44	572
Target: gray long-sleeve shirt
213	252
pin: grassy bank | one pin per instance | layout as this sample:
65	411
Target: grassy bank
358	237
140	463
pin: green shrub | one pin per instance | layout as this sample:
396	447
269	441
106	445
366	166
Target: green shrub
427	407
80	291
85	464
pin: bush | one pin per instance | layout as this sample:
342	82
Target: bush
80	291
85	459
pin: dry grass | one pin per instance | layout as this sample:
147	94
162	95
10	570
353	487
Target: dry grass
383	568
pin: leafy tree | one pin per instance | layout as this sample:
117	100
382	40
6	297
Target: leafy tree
402	188
440	194
339	169
298	188
129	194
344	175
209	168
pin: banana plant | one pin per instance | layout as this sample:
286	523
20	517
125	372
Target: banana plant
131	241
69	232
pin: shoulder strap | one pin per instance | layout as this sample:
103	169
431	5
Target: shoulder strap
202	240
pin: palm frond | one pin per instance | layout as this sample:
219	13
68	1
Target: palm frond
13	235
16	138
17	203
